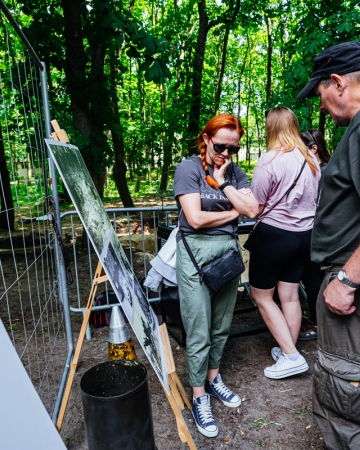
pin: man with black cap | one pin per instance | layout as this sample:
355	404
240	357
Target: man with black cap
335	246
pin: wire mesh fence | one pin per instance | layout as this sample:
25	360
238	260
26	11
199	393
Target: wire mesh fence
136	229
35	301
30	306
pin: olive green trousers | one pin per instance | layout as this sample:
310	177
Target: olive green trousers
206	315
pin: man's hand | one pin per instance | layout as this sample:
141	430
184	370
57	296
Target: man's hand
339	298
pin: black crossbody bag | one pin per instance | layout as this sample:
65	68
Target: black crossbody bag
220	271
248	244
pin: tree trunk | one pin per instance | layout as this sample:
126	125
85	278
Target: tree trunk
138	184
166	145
7	216
248	140
76	65
75	70
258	131
269	60
248	153
198	65
322	120
119	169
241	74
222	70
164	174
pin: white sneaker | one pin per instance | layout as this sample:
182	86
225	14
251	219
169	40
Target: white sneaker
284	367
276	353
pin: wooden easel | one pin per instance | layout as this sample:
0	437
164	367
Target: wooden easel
98	278
177	396
59	134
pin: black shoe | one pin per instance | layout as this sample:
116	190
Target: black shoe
308	332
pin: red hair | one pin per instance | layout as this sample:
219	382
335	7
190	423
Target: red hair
210	129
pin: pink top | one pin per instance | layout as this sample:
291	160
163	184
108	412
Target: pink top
274	173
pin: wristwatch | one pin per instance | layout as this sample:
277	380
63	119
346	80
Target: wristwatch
345	280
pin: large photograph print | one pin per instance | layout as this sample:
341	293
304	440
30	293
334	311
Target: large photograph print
103	237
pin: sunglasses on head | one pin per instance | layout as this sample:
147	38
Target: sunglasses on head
219	148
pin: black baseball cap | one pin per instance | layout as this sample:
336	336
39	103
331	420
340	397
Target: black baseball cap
340	59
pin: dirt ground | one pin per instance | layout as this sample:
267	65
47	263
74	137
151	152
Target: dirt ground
275	414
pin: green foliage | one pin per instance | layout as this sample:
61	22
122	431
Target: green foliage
147	189
248	167
141	86
26	192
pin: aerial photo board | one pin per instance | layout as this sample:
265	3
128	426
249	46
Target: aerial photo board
103	237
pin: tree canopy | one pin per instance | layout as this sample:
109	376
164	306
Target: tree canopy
133	82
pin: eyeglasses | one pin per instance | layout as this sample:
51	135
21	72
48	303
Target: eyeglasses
312	140
219	148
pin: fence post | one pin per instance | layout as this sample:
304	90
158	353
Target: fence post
63	292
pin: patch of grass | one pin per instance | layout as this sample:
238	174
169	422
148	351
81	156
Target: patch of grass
302	412
262	422
260	443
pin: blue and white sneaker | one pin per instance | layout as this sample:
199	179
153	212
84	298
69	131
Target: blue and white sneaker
218	389
201	410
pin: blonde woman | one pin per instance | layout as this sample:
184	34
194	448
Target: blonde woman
282	238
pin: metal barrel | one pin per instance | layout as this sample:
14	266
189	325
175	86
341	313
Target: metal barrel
117	407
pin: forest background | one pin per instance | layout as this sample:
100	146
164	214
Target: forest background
133	82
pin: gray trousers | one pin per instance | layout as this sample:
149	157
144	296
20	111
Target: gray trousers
206	315
336	388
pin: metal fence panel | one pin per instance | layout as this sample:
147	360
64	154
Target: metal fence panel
30	307
137	232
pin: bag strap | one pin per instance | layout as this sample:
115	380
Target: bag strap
192	257
285	195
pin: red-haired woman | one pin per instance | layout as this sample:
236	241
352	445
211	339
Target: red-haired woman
211	192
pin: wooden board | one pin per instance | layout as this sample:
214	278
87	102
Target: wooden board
177	397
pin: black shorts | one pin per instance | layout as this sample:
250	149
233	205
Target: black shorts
277	255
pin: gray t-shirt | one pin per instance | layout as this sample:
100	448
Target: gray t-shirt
190	179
